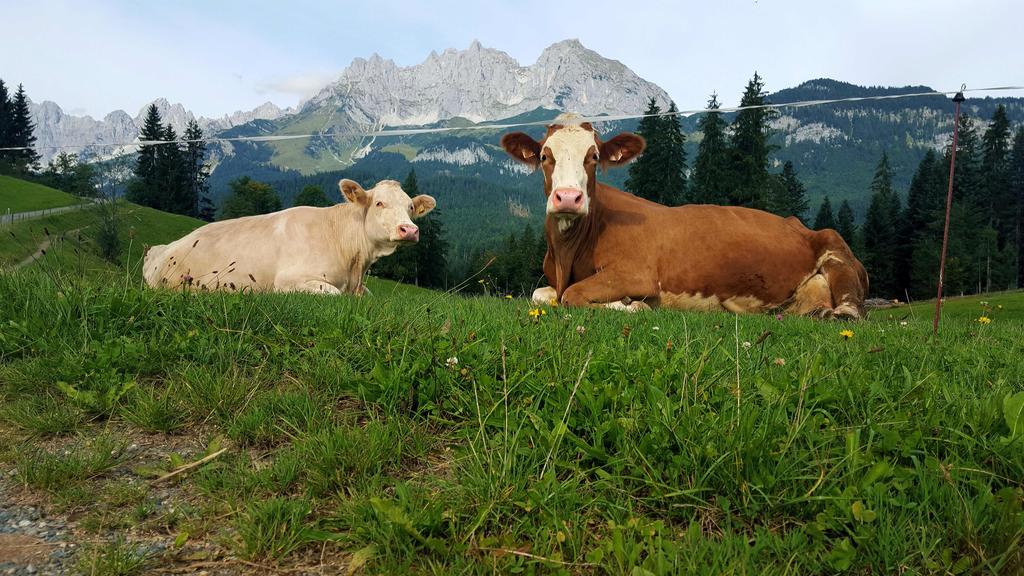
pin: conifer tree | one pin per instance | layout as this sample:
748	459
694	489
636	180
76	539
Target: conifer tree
880	231
173	190
642	179
1016	181
825	218
846	225
750	148
924	204
788	196
673	184
144	189
5	123
708	183
196	171
998	203
20	131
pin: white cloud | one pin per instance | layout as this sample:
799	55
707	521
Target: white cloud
303	85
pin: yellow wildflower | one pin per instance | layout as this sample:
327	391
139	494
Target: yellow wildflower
508	296
846	334
553	303
984	320
537	312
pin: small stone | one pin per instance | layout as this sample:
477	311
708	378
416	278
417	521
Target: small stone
31	569
24	523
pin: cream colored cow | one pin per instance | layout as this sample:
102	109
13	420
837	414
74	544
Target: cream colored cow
301	249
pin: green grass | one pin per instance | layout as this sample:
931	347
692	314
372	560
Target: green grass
416	431
22	196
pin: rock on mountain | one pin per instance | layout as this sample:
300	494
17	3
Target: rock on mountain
481	84
89	137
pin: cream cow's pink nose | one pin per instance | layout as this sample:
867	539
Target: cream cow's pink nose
408	232
568	199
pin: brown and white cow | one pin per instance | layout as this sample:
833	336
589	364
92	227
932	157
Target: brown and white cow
608	247
301	249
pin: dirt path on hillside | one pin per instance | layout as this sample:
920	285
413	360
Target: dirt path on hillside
43	247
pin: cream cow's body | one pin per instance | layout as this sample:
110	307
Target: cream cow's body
301	249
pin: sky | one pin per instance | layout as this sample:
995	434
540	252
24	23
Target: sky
220	56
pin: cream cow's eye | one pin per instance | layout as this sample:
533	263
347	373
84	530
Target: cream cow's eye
380	204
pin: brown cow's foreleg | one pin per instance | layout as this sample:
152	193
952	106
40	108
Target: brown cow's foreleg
847	279
609	290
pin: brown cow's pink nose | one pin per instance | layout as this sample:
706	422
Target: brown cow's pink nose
408	232
568	199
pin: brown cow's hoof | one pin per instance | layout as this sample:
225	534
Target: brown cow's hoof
847	312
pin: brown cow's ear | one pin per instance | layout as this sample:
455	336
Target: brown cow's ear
353	192
521	147
421	205
621	149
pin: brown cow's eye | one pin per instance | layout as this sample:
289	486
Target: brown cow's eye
543	157
594	157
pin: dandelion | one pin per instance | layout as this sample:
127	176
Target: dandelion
508	296
537	312
779	362
984	320
452	362
581	330
553	302
846	334
747	345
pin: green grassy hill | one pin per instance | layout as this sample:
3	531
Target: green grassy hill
70	244
414	431
22	196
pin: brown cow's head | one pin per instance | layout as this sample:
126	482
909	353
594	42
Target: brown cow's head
389	211
569	156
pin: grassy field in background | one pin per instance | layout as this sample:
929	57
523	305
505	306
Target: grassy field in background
21	196
140	227
417	431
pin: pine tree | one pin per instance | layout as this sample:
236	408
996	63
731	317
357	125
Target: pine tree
788	197
5	122
1016	181
825	218
249	197
971	240
643	178
711	167
21	134
750	149
312	195
673	184
174	193
924	204
196	171
144	189
997	202
846	225
879	231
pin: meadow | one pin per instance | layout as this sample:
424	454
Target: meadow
414	431
18	195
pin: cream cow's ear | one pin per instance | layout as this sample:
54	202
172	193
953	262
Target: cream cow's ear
353	192
421	205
